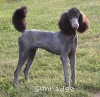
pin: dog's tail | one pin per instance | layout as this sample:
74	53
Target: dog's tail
18	19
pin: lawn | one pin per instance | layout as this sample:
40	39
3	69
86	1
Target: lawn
46	73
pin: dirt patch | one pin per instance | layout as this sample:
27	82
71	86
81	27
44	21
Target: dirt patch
97	94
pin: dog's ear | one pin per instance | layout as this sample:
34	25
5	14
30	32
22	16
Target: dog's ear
64	24
83	23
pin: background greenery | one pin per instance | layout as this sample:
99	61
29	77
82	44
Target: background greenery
47	68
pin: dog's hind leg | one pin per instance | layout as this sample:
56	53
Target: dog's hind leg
31	55
22	58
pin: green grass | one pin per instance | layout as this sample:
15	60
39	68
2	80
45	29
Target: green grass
47	70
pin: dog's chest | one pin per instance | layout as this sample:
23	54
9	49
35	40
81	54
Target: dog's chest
73	41
69	42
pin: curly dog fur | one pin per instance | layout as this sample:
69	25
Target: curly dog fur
63	42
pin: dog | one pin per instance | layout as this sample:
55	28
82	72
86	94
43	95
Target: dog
63	42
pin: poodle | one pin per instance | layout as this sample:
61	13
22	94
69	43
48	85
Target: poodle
63	42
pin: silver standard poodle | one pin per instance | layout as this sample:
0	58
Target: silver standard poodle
63	42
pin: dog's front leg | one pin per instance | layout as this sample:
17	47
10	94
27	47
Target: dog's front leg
72	57
64	58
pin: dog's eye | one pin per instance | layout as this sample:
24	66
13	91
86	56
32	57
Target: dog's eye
76	16
70	17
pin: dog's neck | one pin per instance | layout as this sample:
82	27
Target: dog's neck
71	32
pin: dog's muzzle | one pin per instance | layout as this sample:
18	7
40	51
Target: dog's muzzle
74	23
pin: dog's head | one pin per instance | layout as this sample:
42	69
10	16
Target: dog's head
73	16
73	20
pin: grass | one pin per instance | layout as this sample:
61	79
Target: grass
46	71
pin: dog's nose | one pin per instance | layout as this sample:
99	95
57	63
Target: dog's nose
75	26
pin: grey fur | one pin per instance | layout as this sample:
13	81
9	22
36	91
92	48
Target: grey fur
56	43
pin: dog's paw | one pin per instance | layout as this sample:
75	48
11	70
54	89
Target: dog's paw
27	80
15	83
